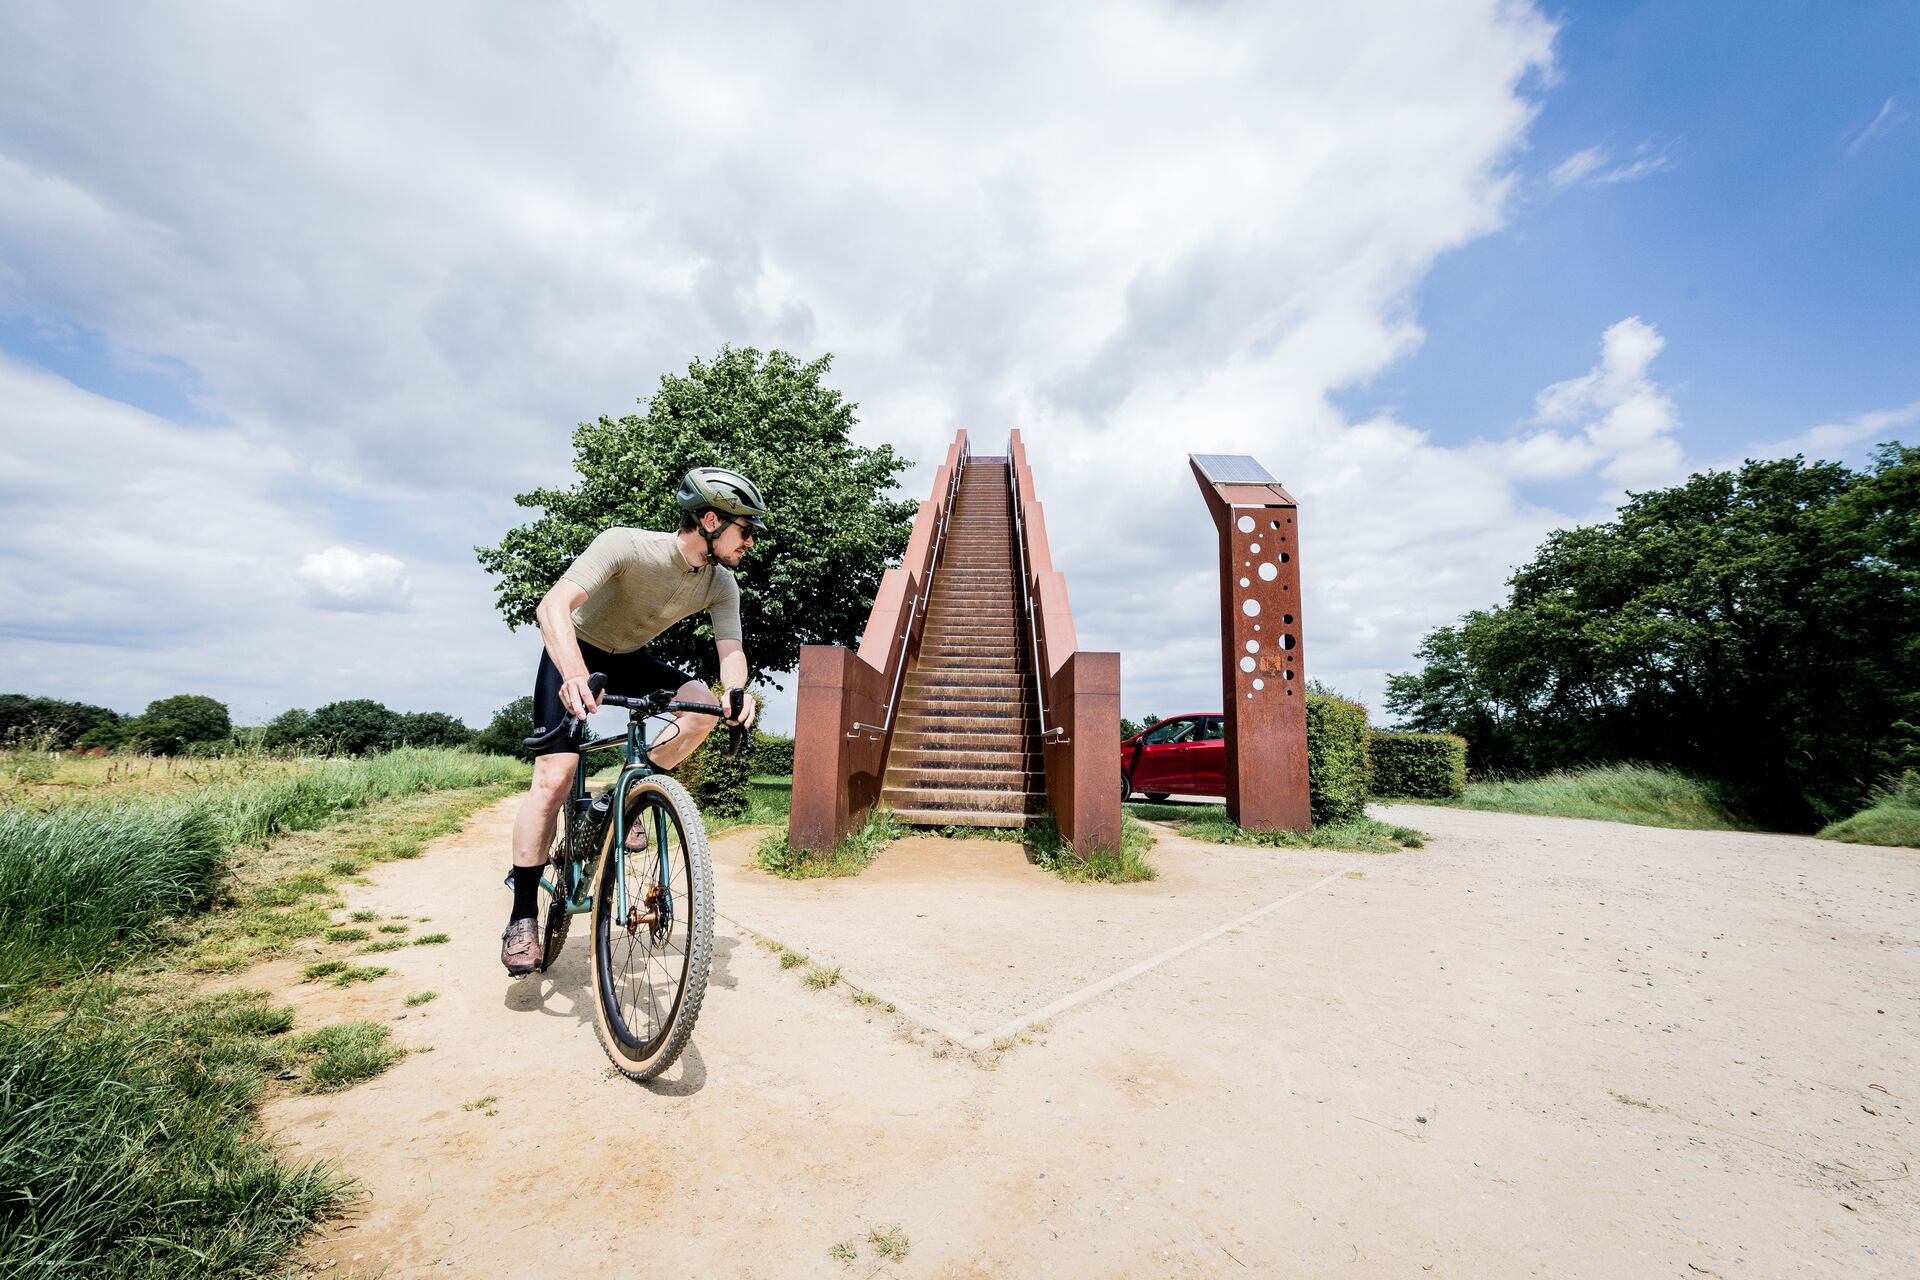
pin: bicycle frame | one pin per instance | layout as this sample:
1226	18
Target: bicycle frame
636	764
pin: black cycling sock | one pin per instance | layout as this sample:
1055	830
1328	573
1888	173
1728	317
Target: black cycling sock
526	893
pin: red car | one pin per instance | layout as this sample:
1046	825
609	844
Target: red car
1185	755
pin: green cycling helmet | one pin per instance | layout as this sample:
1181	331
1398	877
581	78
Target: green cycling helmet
718	489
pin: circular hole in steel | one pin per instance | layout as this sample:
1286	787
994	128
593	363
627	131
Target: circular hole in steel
1246	524
1289	673
1245	582
1259	684
1254	547
1268	573
1246	664
1284	557
1273	524
1287	641
1253	646
1250	607
1287	618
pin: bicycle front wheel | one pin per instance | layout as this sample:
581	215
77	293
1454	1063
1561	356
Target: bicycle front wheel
652	929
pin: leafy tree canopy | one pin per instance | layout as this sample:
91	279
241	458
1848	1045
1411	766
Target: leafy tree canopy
355	727
170	726
810	579
291	728
510	727
433	729
32	721
1759	626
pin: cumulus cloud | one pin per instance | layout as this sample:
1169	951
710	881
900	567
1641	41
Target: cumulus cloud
1614	416
357	582
401	257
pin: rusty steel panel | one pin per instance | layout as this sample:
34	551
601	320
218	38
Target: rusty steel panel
1263	663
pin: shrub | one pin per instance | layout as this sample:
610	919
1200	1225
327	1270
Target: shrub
1893	818
511	725
719	782
1336	758
1423	766
772	755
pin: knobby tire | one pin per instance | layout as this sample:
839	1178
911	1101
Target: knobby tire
648	984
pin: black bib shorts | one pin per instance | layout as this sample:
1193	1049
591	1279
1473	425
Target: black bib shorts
633	674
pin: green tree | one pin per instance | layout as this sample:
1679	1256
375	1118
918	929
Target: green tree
811	577
355	727
433	729
510	726
58	724
1760	627
291	729
170	726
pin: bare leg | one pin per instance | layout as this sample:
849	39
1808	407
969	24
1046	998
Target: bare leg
533	825
693	731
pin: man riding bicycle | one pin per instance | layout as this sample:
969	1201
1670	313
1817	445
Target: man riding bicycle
626	588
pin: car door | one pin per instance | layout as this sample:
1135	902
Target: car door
1207	759
1162	763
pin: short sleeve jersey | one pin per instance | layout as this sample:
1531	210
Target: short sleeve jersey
638	584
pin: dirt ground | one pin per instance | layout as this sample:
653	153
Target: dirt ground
1537	1047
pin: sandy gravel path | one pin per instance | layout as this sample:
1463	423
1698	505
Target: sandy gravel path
1537	1047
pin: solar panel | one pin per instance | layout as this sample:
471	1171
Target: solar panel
1231	468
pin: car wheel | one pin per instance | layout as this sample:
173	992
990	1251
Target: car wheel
1158	796
1126	787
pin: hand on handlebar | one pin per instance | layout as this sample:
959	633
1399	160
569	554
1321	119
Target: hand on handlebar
740	708
580	696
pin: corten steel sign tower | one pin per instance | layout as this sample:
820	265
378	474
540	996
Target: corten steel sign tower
1264	672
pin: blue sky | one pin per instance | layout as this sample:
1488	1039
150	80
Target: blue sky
1771	237
292	302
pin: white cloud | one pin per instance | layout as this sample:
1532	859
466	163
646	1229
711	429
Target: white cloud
1625	420
1884	120
370	582
1596	166
1833	440
402	257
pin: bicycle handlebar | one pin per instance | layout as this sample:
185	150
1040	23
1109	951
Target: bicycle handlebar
656	703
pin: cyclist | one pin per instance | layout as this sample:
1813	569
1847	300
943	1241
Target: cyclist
626	588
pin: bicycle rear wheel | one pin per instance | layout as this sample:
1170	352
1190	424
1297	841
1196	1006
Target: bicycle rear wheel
652	930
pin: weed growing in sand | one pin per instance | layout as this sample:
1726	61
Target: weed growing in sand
386	944
845	1252
791	959
481	1104
431	940
419	998
347	935
395	928
854	854
890	1243
820	979
365	917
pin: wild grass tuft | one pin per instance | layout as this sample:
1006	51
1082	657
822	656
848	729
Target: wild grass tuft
1892	819
128	1146
854	854
345	1054
431	939
1126	865
819	978
1211	824
1644	795
419	998
890	1243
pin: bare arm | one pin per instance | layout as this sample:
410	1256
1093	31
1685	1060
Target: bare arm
555	616
733	675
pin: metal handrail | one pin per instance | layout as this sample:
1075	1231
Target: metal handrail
1026	598
920	597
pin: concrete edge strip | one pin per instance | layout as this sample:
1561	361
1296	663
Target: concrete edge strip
1086	993
956	1034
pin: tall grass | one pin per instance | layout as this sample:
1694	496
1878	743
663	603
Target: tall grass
125	1147
1210	823
1892	819
85	882
1644	795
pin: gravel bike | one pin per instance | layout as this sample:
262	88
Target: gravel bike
633	858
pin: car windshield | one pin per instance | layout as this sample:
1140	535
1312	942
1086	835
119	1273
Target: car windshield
1171	731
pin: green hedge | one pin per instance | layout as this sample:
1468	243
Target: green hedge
1336	758
772	754
1418	766
719	782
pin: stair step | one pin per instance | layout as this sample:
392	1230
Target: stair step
987	778
937	757
977	798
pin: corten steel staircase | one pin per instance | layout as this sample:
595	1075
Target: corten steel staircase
969	701
964	749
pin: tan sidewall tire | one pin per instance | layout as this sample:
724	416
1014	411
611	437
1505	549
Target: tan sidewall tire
699	872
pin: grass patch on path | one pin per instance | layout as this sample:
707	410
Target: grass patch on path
1644	795
855	853
1209	823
